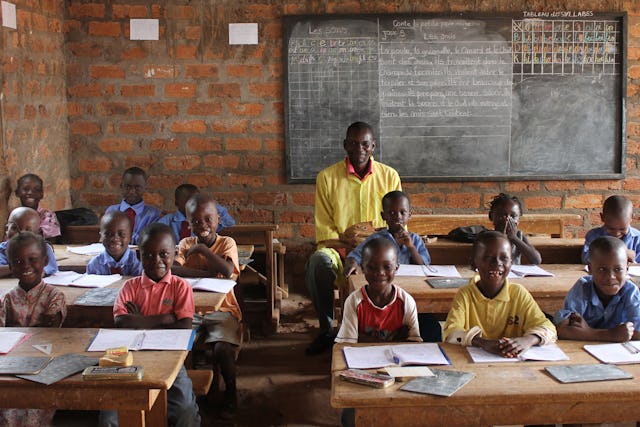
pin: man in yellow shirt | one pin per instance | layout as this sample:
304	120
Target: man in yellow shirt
347	193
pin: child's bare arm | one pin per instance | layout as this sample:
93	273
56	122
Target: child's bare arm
576	328
403	237
217	264
488	345
134	319
512	347
350	266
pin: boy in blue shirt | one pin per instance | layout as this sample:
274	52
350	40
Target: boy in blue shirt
134	184
24	219
604	306
178	220
396	211
616	216
117	258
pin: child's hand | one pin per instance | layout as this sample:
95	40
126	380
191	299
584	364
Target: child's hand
350	267
511	228
513	347
492	346
623	332
132	308
631	256
400	335
403	238
197	248
577	321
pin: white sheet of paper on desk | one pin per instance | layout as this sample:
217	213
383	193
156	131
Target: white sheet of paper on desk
615	353
209	284
10	339
71	278
528	270
136	339
547	353
380	356
428	270
9	15
634	270
92	249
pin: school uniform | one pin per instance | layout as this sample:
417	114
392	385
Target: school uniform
342	199
104	264
404	255
171	294
512	313
631	241
363	317
176	219
49	269
144	215
223	323
583	300
49	223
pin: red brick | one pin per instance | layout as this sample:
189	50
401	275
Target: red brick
84	128
633	129
86	10
273	31
186	52
135	52
74	109
603	185
633	146
157	182
266	90
95	164
205	109
307	230
40	22
243	70
274	144
246	180
522	186
304	199
226	161
121	11
182	163
269	198
285	231
106	72
201	71
244	144
246	109
230	126
71	26
543	202
631	184
179	12
255	215
192	32
93	90
224	90
113	109
189	126
144	162
206	180
463	200
427	200
261	12
160	71
105	29
29	112
163	109
632	90
139	128
138	90
296	217
165	144
562	185
583	201
204	144
268	127
634	72
180	90
633	53
116	145
10	65
78	183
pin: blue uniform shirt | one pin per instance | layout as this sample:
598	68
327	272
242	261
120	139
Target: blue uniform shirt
583	300
49	269
145	215
174	220
103	263
404	256
631	240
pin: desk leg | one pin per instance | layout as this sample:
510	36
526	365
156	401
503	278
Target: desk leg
131	419
157	416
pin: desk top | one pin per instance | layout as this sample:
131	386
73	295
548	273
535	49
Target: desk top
160	367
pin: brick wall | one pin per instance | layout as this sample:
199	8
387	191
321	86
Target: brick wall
34	114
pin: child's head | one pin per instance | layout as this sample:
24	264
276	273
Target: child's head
27	257
503	207
379	262
182	194
157	250
616	216
115	233
492	258
30	190
22	219
133	185
396	210
359	143
608	265
202	214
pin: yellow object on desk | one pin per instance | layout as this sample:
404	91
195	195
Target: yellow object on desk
119	356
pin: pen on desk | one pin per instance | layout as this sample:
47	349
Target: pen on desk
392	355
430	269
630	347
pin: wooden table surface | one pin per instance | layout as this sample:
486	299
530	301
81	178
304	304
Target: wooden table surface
138	403
556	251
84	316
549	292
503	393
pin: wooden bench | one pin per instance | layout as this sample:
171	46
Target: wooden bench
201	380
441	225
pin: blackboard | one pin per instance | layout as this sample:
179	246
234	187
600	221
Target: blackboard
533	96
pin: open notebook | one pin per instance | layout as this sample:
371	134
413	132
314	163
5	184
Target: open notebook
549	353
379	356
428	270
71	278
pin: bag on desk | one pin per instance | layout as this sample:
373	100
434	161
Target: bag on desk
357	233
466	234
77	216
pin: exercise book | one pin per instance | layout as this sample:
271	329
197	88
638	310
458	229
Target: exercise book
136	339
549	353
379	356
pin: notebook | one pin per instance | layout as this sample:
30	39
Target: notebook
11	339
135	339
586	373
443	383
71	278
212	285
549	353
518	271
379	356
427	270
615	353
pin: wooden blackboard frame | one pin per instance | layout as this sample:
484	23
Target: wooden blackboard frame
618	146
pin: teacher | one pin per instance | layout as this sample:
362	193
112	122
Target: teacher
347	193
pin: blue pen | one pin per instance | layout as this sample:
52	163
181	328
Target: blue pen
393	357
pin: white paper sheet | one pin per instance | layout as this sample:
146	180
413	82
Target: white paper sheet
634	270
527	270
245	33
549	353
71	278
379	356
92	249
10	339
144	29
9	15
615	353
155	339
428	270
208	284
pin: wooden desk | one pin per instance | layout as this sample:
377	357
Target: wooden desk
86	316
138	403
558	251
505	393
549	292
